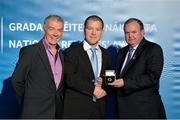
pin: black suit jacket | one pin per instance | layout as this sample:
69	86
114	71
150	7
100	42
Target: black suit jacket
139	98
34	84
80	84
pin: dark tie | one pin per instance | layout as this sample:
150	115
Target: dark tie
94	63
130	51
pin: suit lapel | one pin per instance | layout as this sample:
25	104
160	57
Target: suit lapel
62	74
134	57
86	61
120	61
104	61
45	60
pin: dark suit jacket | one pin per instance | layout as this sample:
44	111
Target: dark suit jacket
34	84
139	98
80	84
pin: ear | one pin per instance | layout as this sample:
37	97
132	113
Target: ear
142	32
102	32
84	31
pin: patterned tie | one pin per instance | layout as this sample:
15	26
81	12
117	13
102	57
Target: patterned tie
94	63
130	51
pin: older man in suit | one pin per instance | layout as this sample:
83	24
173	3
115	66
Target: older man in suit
38	76
85	62
139	66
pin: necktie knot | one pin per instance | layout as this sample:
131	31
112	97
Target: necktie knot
94	55
131	50
94	61
93	50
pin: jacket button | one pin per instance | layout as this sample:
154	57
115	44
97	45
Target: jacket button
92	80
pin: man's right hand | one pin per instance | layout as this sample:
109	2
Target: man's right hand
99	92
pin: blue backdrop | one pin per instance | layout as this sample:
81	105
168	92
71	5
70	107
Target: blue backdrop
21	25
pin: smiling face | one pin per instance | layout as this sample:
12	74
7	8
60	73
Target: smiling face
93	30
53	30
133	33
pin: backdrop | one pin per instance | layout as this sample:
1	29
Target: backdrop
21	25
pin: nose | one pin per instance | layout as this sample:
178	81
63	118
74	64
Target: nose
130	35
93	32
56	32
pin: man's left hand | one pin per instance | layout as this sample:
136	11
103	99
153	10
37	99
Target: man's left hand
117	83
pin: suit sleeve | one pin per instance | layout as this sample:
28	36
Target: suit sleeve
74	76
149	75
20	73
107	63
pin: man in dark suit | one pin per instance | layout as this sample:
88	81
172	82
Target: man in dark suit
38	76
84	96
139	66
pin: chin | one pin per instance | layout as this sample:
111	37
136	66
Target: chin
53	43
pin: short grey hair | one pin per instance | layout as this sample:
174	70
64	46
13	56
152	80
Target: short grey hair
57	17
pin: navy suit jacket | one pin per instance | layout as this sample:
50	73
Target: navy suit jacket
139	98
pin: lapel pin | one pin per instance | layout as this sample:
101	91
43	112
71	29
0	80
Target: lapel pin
134	57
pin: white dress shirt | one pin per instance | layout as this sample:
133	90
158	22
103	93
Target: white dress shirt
87	47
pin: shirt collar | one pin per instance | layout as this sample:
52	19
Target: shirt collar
86	46
135	47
